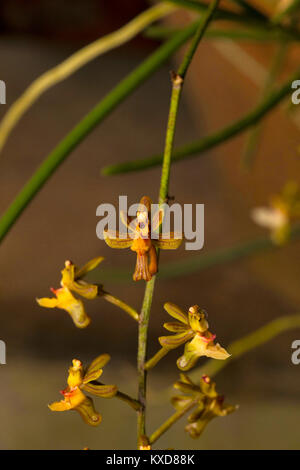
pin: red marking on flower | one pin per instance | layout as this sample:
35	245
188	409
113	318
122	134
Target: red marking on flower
67	392
207	340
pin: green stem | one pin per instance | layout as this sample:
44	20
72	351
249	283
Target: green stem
88	123
198	147
119	303
177	81
156	358
126	398
141	357
129	400
203	24
170	421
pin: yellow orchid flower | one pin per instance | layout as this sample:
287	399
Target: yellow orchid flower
71	281
194	329
278	216
78	380
209	404
71	278
66	301
140	240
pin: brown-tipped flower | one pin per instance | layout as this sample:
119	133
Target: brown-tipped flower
139	239
192	329
209	404
80	380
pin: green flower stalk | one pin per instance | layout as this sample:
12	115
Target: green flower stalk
177	82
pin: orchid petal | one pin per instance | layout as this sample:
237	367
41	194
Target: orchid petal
169	241
94	370
172	342
176	312
89	266
86	290
48	303
88	413
99	390
113	239
175	327
61	405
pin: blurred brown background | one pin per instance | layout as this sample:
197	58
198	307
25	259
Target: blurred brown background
60	224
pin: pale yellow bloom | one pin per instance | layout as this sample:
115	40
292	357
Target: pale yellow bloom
78	380
66	301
